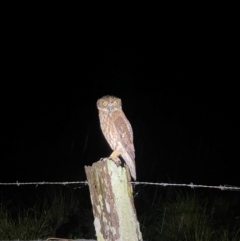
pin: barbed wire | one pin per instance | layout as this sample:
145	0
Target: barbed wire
191	185
42	183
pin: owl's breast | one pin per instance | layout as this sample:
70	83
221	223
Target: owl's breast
108	129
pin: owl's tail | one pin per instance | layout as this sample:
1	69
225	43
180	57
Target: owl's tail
131	164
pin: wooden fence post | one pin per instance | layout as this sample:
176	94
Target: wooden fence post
112	202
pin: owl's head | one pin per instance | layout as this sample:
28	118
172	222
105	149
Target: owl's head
109	104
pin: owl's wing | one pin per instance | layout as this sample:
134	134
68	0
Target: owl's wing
125	133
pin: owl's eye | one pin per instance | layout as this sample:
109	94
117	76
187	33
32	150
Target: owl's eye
104	103
115	103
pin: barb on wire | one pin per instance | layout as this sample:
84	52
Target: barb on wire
191	185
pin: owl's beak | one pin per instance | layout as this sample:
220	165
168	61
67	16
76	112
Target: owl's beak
110	107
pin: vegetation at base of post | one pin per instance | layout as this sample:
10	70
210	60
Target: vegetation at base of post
169	214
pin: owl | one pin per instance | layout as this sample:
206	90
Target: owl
117	130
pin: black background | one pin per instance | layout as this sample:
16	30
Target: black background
179	91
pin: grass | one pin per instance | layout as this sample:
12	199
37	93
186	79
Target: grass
58	213
192	216
172	216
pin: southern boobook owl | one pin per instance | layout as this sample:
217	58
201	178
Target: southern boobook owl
117	130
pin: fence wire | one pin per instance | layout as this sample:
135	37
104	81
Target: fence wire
191	185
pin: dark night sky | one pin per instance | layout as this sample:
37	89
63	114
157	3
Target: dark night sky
180	95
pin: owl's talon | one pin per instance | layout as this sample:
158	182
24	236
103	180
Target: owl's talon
116	160
103	159
114	155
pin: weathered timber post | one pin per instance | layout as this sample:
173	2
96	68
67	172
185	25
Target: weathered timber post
112	202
